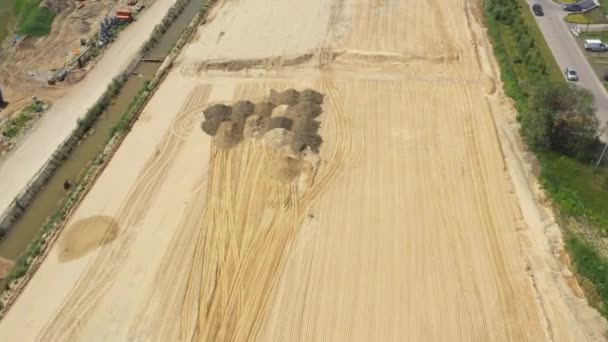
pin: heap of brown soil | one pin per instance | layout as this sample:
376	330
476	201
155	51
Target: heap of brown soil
311	95
285	168
305	108
278	137
242	109
287	97
254	126
264	108
229	134
305	124
211	126
279	122
217	110
307	139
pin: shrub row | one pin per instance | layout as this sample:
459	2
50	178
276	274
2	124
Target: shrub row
521	71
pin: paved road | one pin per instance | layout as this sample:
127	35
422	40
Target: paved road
19	167
568	54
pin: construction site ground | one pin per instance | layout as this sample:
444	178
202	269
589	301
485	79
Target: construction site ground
20	166
421	224
25	66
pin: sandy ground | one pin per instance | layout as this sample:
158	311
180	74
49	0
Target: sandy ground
421	223
38	146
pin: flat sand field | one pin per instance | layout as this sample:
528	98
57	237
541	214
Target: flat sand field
417	224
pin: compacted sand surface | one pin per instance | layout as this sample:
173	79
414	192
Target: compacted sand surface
414	222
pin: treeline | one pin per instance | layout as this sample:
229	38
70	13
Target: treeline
558	122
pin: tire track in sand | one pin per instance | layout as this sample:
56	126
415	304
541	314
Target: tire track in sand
97	279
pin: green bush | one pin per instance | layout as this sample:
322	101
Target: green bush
577	18
592	266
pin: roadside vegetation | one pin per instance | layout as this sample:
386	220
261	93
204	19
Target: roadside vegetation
33	19
558	123
18	123
594	16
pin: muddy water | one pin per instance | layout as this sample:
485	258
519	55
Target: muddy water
49	198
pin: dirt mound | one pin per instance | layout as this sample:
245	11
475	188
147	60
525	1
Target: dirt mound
279	111
242	109
488	84
217	110
305	124
287	97
254	126
305	108
307	139
211	126
229	134
279	122
278	138
311	95
264	108
285	168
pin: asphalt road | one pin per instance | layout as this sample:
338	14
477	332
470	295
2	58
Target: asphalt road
568	54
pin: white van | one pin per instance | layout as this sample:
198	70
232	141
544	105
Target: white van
595	45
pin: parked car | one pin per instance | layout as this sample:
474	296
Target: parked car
571	74
595	45
572	8
538	10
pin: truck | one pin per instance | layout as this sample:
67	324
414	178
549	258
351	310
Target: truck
124	16
595	45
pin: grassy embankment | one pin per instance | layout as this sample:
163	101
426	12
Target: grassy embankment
579	193
33	20
595	16
16	124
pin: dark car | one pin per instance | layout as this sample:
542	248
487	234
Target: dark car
572	8
538	10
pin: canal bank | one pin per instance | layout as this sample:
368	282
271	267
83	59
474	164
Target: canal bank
43	239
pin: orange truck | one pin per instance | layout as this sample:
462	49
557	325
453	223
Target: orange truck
124	16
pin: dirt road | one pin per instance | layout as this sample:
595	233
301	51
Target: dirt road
419	223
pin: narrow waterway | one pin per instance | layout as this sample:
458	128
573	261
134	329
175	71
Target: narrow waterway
47	200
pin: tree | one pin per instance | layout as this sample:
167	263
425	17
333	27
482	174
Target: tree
561	117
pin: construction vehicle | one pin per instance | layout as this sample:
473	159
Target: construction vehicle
124	16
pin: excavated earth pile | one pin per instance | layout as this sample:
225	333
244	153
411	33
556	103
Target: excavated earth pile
285	121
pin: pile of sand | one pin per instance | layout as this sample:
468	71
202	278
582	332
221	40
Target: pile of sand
242	109
229	134
255	126
279	111
286	121
287	97
279	122
306	108
211	125
311	95
264	108
220	110
285	168
278	138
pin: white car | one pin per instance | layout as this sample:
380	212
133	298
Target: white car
571	74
